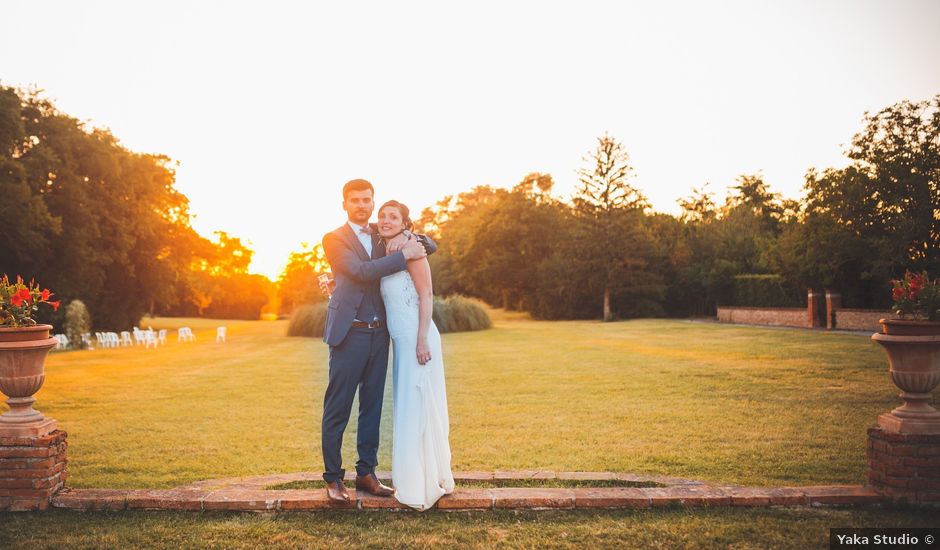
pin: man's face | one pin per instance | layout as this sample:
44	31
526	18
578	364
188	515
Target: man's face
358	206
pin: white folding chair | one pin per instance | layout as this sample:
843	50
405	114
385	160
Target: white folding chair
161	336
185	334
113	340
86	339
220	334
126	338
150	338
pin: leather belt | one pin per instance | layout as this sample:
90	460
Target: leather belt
362	324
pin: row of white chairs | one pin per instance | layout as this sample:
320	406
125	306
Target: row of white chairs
185	334
62	341
114	340
146	338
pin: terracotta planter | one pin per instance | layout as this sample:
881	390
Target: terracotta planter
23	353
914	357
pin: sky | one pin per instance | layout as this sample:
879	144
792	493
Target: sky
269	107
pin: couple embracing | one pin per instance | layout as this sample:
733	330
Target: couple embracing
383	289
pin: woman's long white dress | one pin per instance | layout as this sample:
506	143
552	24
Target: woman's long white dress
420	427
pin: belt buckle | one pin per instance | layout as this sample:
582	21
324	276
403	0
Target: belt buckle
374	324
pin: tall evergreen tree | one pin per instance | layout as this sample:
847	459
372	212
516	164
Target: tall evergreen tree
612	246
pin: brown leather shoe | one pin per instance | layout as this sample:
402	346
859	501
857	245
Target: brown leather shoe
337	491
371	484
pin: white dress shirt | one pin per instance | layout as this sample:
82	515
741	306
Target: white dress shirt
364	238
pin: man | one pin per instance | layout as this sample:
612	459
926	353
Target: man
358	338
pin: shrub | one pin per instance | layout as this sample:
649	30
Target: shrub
459	314
308	320
439	316
451	314
77	322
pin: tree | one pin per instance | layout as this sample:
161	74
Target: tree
700	207
726	241
28	226
754	195
298	284
880	215
463	223
612	247
506	241
96	221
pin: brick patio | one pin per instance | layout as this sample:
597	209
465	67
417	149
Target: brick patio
249	494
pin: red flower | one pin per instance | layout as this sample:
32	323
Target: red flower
45	295
897	293
912	295
55	305
22	295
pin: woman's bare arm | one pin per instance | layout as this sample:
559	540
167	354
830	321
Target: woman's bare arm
420	271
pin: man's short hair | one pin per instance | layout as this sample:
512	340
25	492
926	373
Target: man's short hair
357	185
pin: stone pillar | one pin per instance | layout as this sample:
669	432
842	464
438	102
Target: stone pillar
904	467
32	471
813	303
833	302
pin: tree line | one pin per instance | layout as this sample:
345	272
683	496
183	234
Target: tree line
93	220
606	254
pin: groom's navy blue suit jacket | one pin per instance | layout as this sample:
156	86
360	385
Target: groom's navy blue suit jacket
357	277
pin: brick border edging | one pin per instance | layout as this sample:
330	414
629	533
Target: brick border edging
244	500
260	482
247	495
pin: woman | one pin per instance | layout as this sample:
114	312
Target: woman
420	450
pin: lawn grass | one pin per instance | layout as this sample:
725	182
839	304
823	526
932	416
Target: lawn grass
701	528
728	404
721	403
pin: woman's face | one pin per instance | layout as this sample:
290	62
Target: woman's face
390	222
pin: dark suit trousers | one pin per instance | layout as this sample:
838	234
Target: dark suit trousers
359	361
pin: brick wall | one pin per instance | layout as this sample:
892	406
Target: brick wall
860	319
32	470
904	466
785	317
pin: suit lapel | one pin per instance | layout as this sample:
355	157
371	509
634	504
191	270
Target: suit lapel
354	242
378	247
